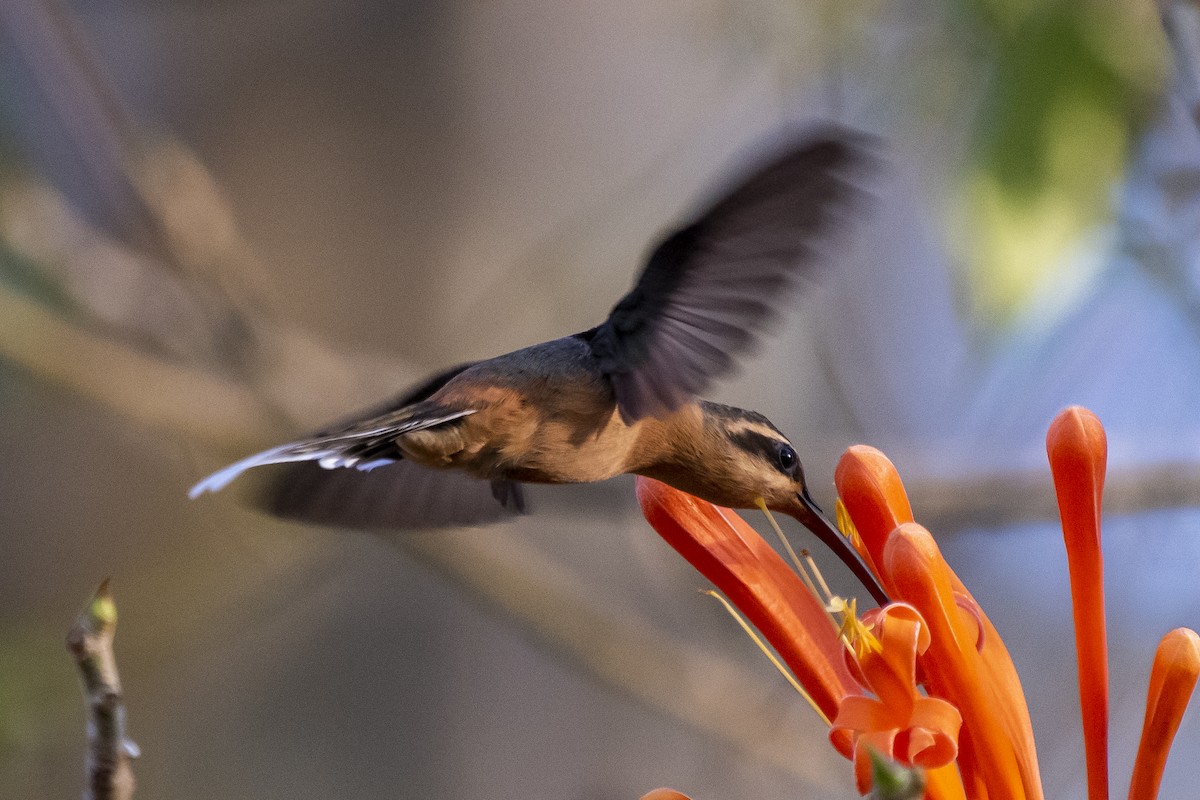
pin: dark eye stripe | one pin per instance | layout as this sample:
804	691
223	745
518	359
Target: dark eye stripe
763	446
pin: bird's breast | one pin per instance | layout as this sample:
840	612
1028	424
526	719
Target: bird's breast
564	451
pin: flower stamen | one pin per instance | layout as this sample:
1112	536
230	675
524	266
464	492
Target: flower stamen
787	546
754	637
808	559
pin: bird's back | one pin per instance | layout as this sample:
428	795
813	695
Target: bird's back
543	414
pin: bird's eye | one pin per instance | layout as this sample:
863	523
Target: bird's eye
786	458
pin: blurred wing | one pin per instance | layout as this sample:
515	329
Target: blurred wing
401	495
712	286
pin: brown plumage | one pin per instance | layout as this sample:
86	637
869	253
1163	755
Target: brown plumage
619	398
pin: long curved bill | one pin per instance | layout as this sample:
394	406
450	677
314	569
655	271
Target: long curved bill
810	516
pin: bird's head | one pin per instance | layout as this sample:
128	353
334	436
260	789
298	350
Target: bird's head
739	459
732	458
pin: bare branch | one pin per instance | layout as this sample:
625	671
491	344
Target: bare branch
107	764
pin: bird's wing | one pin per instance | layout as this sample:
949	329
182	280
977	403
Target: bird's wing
352	474
399	496
711	286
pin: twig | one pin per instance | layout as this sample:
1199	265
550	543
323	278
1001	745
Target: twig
107	765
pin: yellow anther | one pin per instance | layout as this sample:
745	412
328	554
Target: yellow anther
852	631
846	525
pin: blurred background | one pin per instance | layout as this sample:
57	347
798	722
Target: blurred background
224	223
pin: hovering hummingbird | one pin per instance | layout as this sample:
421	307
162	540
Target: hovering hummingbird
622	397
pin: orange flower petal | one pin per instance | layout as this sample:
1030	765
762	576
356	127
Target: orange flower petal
842	739
939	723
944	783
1004	685
954	668
1077	449
891	671
664	794
863	714
968	767
870	488
862	766
731	554
1172	680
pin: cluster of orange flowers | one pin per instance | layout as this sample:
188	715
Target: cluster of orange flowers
926	681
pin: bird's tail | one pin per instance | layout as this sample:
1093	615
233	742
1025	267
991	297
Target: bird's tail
366	445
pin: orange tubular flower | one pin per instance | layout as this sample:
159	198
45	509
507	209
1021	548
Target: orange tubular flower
1078	451
969	729
953	666
664	794
731	554
901	724
876	501
874	497
1172	680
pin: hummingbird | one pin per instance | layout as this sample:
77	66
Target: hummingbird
622	397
